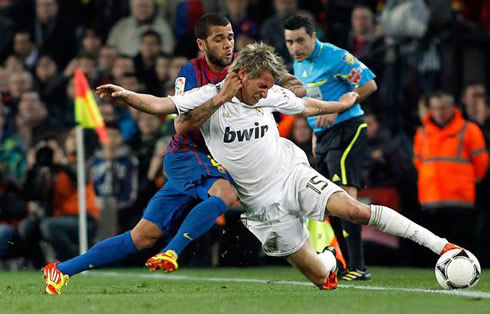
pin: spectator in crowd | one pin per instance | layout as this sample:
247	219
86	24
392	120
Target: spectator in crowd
125	35
122	65
13	64
12	150
114	170
245	28
145	61
107	59
18	82
272	30
32	120
174	67
51	86
473	101
161	70
91	41
53	33
51	190
107	111
25	49
450	157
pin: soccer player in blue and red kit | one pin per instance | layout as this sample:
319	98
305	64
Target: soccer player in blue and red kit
193	176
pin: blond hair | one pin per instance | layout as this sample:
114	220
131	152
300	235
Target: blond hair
257	58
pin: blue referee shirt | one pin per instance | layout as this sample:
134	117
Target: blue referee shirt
329	73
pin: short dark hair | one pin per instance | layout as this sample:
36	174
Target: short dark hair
88	56
151	32
202	25
26	32
297	21
441	95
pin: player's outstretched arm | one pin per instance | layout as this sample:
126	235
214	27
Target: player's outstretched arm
195	118
294	84
316	107
142	102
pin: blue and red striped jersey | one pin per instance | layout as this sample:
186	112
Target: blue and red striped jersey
194	73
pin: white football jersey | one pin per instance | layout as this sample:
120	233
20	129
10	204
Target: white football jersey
246	141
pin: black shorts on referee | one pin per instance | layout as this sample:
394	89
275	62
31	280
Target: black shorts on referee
340	152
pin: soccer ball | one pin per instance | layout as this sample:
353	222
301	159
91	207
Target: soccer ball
458	269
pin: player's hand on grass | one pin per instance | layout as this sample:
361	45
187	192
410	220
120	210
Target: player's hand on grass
231	86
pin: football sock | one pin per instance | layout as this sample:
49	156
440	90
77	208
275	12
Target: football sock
199	220
329	260
102	254
387	220
352	236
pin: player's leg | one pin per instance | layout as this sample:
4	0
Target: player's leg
211	184
159	212
320	269
113	250
104	253
218	195
384	219
352	235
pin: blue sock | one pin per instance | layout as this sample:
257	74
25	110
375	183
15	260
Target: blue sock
199	220
102	254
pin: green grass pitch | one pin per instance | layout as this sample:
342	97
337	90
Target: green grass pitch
239	290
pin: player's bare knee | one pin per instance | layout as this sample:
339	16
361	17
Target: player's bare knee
224	190
143	241
145	234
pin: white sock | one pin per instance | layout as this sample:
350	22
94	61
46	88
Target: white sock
387	220
329	260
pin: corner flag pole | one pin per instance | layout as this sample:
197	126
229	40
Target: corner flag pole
82	206
87	115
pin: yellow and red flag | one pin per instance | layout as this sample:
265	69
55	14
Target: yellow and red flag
87	113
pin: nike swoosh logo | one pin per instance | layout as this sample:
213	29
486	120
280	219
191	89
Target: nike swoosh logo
187	236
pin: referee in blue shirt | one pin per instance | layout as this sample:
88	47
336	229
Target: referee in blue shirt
340	139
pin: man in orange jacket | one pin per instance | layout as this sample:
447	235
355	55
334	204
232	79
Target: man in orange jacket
450	157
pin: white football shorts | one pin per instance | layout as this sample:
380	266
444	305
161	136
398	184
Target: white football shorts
279	224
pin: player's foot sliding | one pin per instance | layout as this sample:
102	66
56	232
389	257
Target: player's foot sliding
54	278
450	246
331	283
166	261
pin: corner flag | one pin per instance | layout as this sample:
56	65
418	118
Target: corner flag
87	114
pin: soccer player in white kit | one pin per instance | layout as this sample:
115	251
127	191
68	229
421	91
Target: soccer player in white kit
276	185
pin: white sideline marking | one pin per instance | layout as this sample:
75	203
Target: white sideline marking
461	293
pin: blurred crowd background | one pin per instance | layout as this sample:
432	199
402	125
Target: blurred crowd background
415	47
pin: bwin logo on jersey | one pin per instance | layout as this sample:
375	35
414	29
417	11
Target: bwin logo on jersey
246	134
